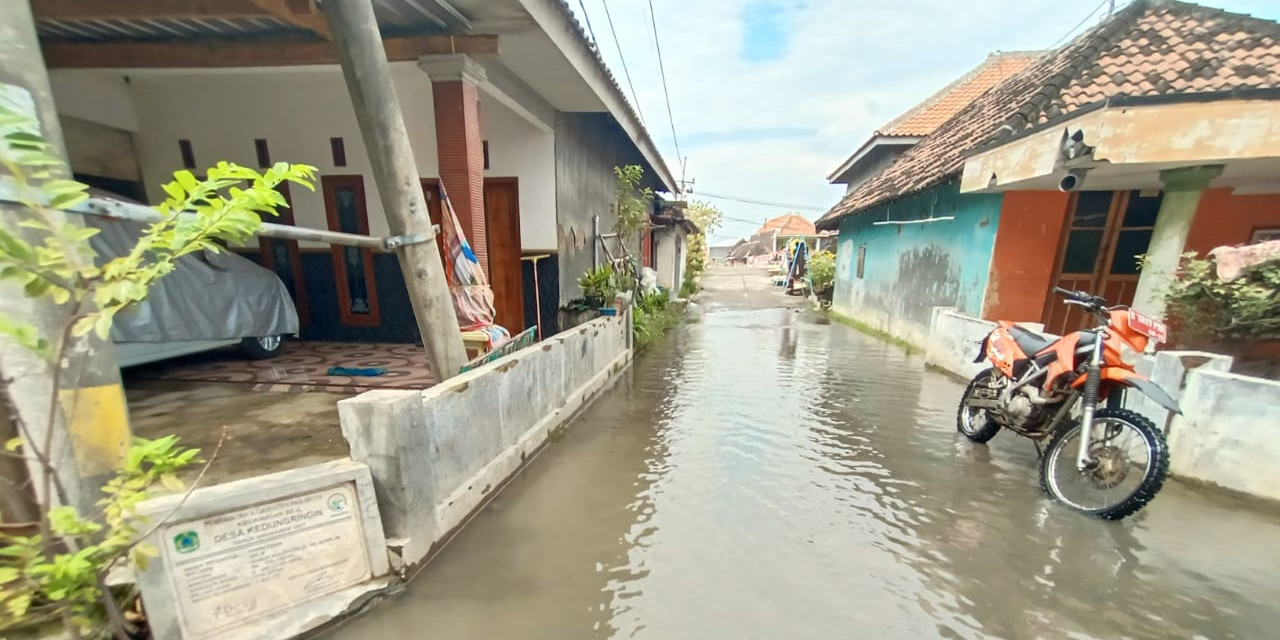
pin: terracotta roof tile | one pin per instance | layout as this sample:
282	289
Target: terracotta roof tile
927	116
1151	47
789	224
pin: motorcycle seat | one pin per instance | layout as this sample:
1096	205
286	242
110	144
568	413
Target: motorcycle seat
1032	343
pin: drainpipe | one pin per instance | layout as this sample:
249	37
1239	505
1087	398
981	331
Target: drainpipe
1182	191
595	241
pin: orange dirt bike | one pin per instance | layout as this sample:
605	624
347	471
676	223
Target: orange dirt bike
1102	459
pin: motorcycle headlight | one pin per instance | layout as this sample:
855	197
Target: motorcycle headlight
1128	355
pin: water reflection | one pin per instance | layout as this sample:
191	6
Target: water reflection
760	475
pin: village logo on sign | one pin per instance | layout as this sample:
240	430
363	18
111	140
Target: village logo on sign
186	542
337	502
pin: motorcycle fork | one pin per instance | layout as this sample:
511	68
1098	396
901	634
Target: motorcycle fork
1091	385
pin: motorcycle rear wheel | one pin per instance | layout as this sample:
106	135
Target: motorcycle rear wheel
1107	490
976	424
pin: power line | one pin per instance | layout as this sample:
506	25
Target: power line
653	20
767	203
591	31
1082	21
627	72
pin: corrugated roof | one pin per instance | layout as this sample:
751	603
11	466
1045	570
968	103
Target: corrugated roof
395	17
1151	47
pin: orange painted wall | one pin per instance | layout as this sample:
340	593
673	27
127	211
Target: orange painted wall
1026	250
1226	219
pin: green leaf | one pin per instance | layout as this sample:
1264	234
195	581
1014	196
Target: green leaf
12	444
9	574
64	201
186	180
102	326
23	333
18	605
171	482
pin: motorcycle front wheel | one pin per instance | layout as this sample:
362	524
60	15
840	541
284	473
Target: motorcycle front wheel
1130	460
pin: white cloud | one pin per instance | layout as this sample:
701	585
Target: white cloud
848	67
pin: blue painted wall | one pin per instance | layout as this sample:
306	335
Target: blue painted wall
910	269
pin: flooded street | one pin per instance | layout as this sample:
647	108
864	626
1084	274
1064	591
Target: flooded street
764	474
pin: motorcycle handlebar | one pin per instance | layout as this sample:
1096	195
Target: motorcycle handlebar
1082	298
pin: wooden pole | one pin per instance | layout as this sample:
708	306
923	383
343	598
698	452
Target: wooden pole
364	64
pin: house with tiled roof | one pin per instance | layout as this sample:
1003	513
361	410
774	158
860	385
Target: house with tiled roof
508	108
1155	132
889	142
789	224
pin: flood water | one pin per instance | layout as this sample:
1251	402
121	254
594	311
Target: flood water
764	475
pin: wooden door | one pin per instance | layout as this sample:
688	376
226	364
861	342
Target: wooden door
502	224
502	227
1102	236
346	208
282	256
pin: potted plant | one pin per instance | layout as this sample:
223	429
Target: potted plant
599	286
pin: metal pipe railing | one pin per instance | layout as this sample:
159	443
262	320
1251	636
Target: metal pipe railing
119	210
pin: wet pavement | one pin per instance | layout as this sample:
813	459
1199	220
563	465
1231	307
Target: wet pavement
764	474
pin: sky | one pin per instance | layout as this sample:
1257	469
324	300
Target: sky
769	96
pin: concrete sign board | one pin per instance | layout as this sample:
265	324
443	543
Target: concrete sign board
270	556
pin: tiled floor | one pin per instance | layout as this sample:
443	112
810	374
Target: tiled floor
301	368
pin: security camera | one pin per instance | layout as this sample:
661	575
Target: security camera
1073	181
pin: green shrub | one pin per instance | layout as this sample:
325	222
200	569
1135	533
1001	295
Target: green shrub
1244	309
822	271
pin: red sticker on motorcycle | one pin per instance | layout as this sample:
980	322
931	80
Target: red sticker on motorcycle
1146	325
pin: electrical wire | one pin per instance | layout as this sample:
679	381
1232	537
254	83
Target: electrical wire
653	20
1082	21
625	71
780	205
586	18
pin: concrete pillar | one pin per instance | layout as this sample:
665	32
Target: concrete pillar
373	95
85	433
1182	191
459	145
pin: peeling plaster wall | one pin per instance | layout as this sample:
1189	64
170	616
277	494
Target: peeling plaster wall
910	269
588	147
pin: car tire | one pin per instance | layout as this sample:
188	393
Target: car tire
262	348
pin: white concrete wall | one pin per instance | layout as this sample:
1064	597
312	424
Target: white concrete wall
669	258
952	343
1229	433
103	97
438	454
297	111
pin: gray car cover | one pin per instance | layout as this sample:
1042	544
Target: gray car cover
207	297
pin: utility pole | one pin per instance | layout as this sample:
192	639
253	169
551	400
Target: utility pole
364	65
84	431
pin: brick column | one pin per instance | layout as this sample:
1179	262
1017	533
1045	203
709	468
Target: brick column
459	144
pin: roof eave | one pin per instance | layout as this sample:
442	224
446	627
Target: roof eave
872	143
556	20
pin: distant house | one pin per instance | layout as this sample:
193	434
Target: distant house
889	142
1062	174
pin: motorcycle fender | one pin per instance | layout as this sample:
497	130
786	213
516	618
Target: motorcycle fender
1153	391
1135	381
982	349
